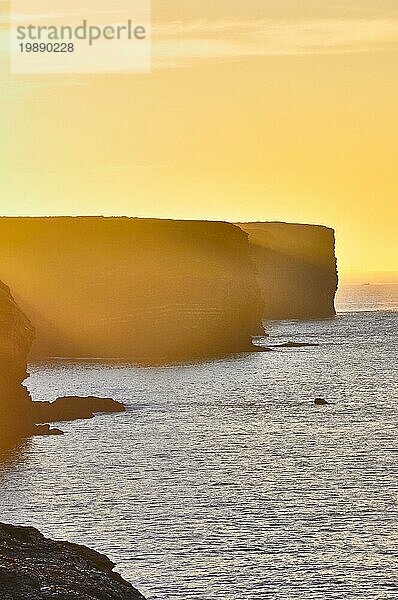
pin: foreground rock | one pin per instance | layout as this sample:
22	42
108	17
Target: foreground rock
33	567
296	269
69	408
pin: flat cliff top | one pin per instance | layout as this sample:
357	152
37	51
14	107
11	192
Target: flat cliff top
312	243
33	567
90	219
107	218
19	230
281	225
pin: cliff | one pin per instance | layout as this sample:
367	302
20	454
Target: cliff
16	336
33	567
296	269
143	290
20	417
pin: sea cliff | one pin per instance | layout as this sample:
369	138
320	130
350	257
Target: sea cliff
142	290
296	269
16	337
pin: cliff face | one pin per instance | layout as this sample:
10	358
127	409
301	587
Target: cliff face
296	269
16	336
136	289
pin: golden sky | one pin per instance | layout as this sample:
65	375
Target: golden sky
254	110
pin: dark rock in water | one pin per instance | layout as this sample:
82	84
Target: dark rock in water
320	401
46	430
69	408
295	345
33	567
92	403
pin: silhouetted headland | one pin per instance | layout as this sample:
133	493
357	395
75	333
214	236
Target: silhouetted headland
142	290
33	567
296	269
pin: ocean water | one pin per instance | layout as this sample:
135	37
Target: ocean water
223	480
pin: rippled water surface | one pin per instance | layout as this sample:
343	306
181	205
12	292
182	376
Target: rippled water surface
223	480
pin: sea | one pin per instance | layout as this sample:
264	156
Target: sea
223	480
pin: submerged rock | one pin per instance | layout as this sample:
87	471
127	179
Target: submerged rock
69	408
33	567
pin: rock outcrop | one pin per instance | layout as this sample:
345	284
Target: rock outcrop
141	290
16	336
296	269
33	567
320	401
70	408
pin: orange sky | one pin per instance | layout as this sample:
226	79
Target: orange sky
259	111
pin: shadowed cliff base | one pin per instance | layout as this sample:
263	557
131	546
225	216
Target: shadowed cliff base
143	290
296	269
33	567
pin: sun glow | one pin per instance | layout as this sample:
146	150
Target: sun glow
264	114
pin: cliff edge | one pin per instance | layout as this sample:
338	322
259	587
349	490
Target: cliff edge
296	269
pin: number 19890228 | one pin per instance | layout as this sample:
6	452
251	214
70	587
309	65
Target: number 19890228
47	47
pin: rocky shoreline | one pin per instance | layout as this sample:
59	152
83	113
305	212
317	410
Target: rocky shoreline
33	567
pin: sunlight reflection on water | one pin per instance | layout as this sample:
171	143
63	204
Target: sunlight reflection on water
223	479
